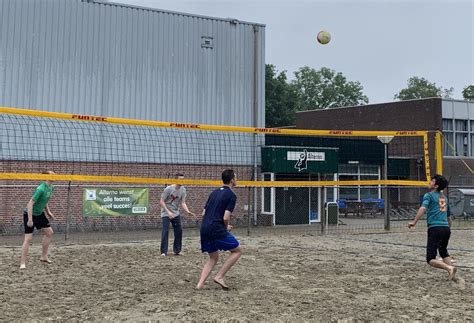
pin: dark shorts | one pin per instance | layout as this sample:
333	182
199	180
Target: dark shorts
39	222
227	243
438	238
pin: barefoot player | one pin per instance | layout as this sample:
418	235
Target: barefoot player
439	222
215	229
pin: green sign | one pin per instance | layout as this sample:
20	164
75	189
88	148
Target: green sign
278	159
115	201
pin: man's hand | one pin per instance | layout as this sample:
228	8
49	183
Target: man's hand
229	227
171	215
51	216
29	223
191	213
411	224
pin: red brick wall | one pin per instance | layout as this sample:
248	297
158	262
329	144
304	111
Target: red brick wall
14	195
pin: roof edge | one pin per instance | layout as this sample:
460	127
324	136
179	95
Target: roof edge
368	105
126	5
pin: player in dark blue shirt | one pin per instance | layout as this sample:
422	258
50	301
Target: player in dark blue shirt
215	229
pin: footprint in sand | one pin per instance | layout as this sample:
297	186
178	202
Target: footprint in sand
459	282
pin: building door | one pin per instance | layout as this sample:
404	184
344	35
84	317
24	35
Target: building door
291	205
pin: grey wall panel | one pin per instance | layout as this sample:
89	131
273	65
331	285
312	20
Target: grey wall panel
114	60
457	109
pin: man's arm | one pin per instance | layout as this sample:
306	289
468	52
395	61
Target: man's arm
30	212
163	205
185	207
165	195
450	219
419	214
227	215
48	212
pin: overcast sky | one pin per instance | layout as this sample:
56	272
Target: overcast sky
379	43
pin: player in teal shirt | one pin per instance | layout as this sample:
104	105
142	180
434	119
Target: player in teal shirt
35	217
435	204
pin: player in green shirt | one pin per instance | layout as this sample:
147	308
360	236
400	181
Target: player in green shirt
35	216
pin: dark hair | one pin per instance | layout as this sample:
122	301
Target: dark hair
441	181
178	175
227	176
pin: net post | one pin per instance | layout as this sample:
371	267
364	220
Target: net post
426	156
439	153
385	189
68	220
323	212
249	218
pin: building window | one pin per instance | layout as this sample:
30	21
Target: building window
358	173
461	125
458	137
462	144
447	125
448	143
472	144
349	193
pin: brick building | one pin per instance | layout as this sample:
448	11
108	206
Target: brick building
453	117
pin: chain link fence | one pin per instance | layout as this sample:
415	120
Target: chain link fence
279	210
353	210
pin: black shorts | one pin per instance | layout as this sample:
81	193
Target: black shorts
438	238
39	222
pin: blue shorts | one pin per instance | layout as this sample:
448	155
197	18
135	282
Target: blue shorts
227	243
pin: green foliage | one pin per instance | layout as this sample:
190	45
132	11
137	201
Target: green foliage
279	99
468	93
420	88
310	90
325	89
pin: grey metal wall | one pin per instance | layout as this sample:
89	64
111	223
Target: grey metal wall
109	59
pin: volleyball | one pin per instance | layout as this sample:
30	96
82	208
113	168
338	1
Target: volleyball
323	37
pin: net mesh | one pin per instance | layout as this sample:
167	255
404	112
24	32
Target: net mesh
99	149
285	176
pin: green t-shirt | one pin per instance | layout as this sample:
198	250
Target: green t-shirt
41	197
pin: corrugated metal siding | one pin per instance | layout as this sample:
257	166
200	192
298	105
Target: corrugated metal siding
113	60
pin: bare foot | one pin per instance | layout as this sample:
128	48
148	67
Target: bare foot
46	260
199	287
220	282
452	273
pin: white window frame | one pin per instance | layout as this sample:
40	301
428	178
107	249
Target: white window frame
272	197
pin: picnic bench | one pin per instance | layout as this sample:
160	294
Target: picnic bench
360	208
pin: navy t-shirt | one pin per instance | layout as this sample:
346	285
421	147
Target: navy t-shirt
220	200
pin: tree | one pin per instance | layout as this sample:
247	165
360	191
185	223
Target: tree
325	89
468	93
279	99
419	88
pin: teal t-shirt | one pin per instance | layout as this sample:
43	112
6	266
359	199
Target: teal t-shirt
437	209
41	197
